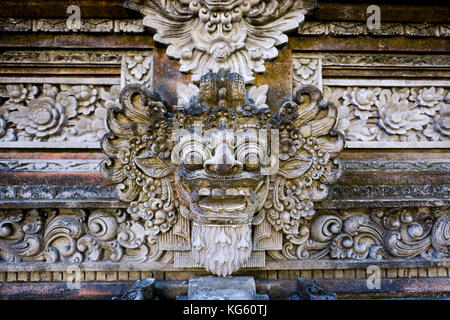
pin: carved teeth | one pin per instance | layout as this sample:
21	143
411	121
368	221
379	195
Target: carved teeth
232	192
217	192
204	192
244	192
259	186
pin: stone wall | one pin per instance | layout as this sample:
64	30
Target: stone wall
390	208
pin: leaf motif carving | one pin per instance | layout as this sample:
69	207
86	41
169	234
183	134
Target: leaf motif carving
294	168
154	167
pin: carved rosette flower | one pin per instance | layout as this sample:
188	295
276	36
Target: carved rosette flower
440	129
429	97
362	99
209	35
397	115
19	93
138	69
86	97
43	117
305	67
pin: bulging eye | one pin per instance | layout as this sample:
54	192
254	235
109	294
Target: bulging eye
193	160
251	161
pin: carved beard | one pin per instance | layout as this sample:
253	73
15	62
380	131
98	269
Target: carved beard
221	249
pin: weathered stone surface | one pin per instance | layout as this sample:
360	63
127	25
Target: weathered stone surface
310	290
208	173
390	86
223	288
239	35
141	290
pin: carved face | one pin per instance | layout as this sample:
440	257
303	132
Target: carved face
219	177
207	35
212	172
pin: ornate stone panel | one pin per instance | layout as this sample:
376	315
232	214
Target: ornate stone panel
385	113
222	160
74	236
50	111
208	35
349	29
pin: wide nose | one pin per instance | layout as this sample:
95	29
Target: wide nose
223	162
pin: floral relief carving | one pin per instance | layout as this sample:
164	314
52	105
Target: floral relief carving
208	35
137	69
371	234
73	236
397	114
81	236
55	112
307	70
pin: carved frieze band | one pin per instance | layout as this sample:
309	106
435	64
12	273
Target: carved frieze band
395	113
106	235
96	194
60	25
309	28
56	112
341	28
93	165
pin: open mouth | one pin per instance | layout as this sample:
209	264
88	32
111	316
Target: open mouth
223	201
229	199
223	204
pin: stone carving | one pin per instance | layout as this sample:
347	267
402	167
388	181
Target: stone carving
55	193
397	114
208	35
51	110
73	236
60	25
55	112
386	112
61	56
396	165
83	236
344	28
222	160
49	165
307	70
336	28
377	234
432	194
383	60
137	69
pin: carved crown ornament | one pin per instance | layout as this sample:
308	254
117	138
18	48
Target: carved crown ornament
219	171
206	35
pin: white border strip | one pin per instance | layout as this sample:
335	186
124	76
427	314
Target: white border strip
50	145
99	81
384	83
399	145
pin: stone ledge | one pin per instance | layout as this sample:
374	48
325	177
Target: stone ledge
340	197
276	289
